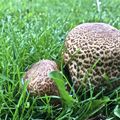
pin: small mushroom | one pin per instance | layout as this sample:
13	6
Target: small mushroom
85	45
39	82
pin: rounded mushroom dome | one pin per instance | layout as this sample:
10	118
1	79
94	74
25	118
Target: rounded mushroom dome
92	52
39	82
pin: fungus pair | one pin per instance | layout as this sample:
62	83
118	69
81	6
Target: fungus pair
84	45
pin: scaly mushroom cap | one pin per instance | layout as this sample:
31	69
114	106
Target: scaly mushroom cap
88	43
40	83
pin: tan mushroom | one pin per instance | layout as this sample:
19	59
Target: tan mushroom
88	43
39	82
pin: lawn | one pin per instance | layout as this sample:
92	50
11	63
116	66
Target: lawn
31	30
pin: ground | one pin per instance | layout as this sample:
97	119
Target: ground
31	30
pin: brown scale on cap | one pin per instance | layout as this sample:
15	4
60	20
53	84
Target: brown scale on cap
40	83
87	43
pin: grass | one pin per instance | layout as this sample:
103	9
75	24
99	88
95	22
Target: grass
31	30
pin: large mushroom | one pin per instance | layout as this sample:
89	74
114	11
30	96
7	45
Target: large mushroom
92	53
39	82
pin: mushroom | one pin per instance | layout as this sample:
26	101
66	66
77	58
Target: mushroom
39	82
92	53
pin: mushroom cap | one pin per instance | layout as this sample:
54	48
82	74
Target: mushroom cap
39	82
88	43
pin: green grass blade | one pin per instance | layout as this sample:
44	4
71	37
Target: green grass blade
59	81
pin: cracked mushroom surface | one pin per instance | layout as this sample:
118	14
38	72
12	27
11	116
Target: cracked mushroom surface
91	43
39	82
